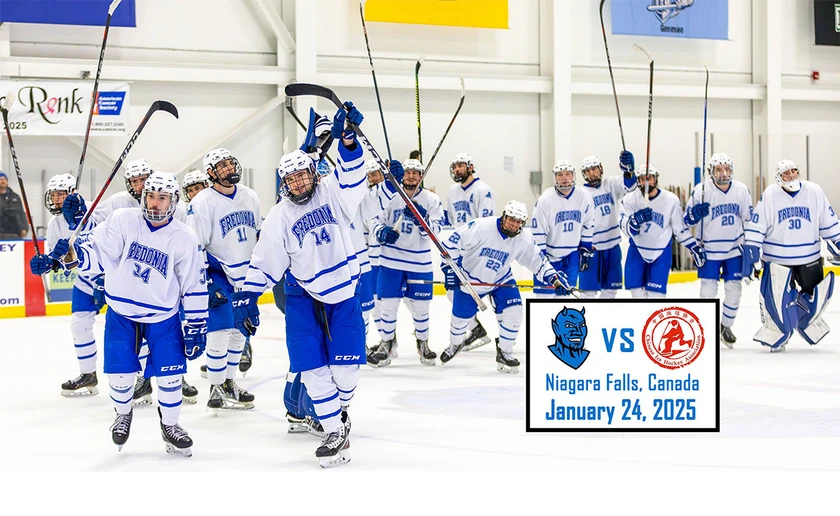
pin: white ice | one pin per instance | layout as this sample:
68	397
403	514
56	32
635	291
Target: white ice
778	411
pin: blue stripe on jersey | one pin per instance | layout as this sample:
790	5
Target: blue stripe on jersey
653	248
404	261
723	241
410	251
597	232
748	230
236	279
267	275
196	294
610	240
339	286
767	242
562	246
325	271
829	227
324	400
235	265
832	237
789	257
136	303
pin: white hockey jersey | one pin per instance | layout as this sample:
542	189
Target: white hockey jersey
57	228
465	204
413	250
125	200
655	235
372	205
723	229
227	228
149	272
314	240
560	224
487	254
788	227
605	198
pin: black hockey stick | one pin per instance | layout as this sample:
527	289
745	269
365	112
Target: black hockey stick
298	89
705	119
94	100
291	111
612	79
158	105
8	100
650	118
417	104
373	73
574	291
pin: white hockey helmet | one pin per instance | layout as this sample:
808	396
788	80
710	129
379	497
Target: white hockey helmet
721	160
564	186
58	183
160	182
373	178
211	163
133	170
413	164
592	162
787	167
466	159
647	171
192	178
290	164
514	210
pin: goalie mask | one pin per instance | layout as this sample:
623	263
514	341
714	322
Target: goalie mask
413	174
647	173
222	167
461	167
59	187
592	171
160	196
787	176
374	173
298	178
194	182
720	168
564	176
513	218
136	173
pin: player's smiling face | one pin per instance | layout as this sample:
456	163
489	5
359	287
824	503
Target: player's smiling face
411	179
300	182
593	174
511	224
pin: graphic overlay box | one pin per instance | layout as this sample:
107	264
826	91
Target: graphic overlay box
643	365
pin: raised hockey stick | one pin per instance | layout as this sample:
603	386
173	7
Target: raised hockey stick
705	119
575	292
303	126
4	108
612	79
297	89
94	100
650	119
373	73
417	66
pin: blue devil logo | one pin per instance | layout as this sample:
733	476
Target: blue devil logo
667	9
570	337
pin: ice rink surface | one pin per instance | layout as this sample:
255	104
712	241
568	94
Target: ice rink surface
779	412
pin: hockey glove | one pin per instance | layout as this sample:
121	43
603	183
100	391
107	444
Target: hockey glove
246	313
99	293
699	255
337	129
354	116
387	235
217	295
584	256
562	287
41	264
696	213
396	170
409	215
627	163
639	218
833	252
750	256
451	281
73	209
195	338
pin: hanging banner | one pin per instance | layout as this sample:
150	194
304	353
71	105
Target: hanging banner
827	22
704	19
57	108
67	12
484	14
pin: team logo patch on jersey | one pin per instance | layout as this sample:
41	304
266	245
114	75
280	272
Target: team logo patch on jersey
570	337
158	260
320	216
673	337
236	219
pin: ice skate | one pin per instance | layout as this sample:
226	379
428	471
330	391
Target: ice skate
142	391
203	371
375	357
82	385
727	336
306	424
247	355
505	363
450	352
178	441
778	349
477	338
382	353
335	448
391	347
188	392
427	356
121	428
229	396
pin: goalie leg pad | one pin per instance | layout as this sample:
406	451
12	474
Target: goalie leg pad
811	326
777	305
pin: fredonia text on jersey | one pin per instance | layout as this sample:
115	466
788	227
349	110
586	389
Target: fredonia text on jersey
320	216
726	209
237	218
567	215
158	260
802	212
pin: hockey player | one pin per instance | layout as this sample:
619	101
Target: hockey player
486	249
135	175
650	217
562	227
603	273
784	232
406	253
152	265
468	199
226	218
194	182
309	234
88	293
719	208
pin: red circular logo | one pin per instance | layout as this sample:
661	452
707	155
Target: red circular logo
673	337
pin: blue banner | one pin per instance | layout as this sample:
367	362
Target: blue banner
706	19
67	12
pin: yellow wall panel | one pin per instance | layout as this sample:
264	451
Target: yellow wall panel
485	14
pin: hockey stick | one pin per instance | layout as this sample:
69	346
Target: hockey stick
612	79
94	100
705	119
574	291
373	73
291	111
158	105
650	118
297	89
417	104
7	103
